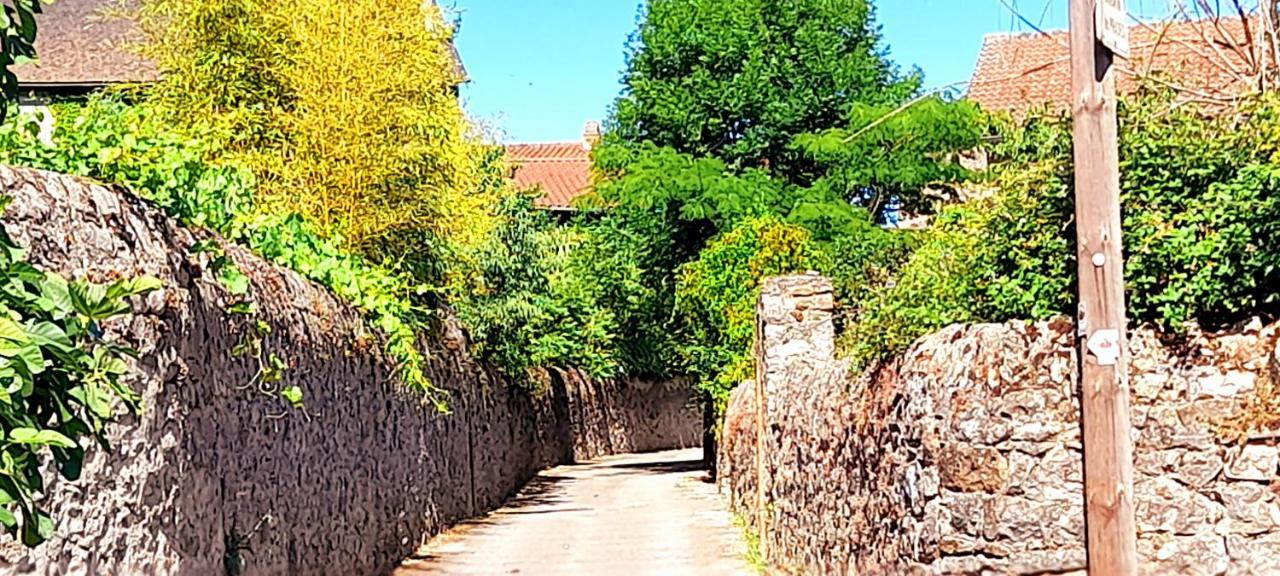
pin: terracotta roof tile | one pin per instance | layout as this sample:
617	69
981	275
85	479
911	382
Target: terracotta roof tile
1018	72
561	170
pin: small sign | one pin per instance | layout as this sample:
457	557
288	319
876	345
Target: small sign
1105	347
1111	20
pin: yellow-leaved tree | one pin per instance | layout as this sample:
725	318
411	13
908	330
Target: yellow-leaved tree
347	112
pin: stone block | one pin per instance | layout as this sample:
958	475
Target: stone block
1253	462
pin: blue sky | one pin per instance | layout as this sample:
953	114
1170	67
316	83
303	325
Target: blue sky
540	69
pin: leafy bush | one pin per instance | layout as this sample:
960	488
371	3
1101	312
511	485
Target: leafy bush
133	146
570	295
940	284
716	296
59	380
1201	213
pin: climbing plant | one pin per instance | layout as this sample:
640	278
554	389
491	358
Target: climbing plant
60	380
134	146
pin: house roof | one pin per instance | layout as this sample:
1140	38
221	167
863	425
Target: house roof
1019	72
561	170
81	43
88	43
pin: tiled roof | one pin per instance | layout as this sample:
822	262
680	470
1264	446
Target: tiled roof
81	42
89	43
1018	72
562	170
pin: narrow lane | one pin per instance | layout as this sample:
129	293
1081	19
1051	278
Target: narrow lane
649	514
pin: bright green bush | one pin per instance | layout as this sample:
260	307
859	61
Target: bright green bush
716	297
565	295
60	382
942	283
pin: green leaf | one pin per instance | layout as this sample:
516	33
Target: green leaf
293	395
234	280
133	287
12	331
55	289
243	307
36	530
31	436
70	462
8	519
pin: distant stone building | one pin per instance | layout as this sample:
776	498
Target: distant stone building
561	170
1017	73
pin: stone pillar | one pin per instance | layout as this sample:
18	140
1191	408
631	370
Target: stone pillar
795	337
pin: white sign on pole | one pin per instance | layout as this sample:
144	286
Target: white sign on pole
1112	23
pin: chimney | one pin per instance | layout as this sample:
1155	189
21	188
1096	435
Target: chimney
590	135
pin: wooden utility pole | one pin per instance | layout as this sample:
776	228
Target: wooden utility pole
1097	33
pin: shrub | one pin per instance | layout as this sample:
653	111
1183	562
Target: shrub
940	284
1201	213
716	296
347	112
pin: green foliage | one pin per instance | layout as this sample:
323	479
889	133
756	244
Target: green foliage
346	112
939	285
716	296
59	380
739	79
133	146
574	295
889	158
17	45
1201	214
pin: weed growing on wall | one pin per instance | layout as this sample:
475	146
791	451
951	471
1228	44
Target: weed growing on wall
132	146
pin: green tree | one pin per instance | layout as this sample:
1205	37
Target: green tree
740	79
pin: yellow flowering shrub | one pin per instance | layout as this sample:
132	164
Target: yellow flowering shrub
346	111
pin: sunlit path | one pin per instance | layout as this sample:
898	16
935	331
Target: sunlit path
639	514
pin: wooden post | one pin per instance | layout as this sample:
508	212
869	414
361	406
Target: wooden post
1108	450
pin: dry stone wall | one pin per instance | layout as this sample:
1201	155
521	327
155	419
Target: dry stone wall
962	455
214	472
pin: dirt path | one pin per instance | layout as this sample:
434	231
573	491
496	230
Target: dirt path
651	514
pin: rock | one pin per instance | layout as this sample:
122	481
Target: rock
1251	508
1229	385
1164	505
1198	469
1254	462
969	469
1259	555
1201	554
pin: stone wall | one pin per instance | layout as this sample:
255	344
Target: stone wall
352	485
962	455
